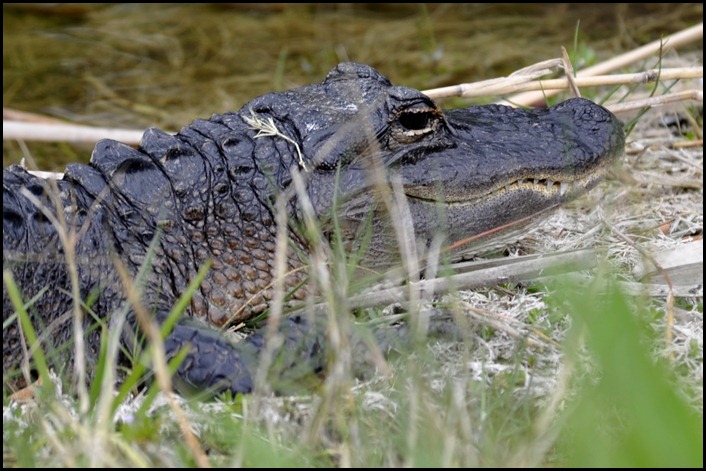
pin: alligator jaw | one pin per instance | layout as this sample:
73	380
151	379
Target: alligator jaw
553	189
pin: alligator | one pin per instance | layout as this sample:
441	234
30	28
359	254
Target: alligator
341	152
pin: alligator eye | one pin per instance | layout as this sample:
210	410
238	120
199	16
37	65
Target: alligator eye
411	126
415	121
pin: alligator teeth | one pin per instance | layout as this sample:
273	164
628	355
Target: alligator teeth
563	187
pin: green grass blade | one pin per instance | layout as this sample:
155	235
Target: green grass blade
140	367
184	300
629	413
31	335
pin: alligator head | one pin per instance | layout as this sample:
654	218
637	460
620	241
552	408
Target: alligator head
467	174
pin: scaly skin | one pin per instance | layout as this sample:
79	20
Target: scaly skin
207	193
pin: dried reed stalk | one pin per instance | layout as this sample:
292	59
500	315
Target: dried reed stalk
673	41
512	85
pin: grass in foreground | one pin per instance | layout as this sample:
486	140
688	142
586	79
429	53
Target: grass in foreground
612	405
601	399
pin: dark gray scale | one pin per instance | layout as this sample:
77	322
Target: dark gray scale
91	196
205	136
19	212
232	192
139	187
90	179
185	172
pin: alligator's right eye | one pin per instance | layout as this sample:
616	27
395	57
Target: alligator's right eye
411	125
415	121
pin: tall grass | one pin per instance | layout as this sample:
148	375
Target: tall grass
613	404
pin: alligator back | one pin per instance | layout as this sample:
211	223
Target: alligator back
198	193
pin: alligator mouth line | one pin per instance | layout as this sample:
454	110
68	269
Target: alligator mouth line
550	188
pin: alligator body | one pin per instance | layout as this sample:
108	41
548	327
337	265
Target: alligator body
209	192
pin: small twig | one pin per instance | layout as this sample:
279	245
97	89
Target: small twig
491	86
520	331
635	288
511	270
268	128
695	95
50	132
569	72
655	178
687	144
685	36
504	86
